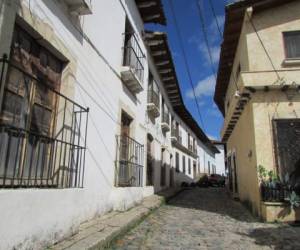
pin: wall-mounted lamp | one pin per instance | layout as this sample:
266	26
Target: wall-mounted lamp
237	94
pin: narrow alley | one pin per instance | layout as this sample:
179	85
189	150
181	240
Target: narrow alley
207	219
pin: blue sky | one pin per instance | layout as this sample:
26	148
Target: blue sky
198	58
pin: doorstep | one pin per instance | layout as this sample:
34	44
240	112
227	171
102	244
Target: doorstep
99	232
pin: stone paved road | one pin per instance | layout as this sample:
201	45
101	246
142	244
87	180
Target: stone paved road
207	219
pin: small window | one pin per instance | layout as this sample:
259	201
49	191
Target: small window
292	44
183	164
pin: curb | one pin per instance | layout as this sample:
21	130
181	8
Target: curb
102	232
126	228
139	219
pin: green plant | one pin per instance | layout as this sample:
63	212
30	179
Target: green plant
268	178
294	200
262	173
272	176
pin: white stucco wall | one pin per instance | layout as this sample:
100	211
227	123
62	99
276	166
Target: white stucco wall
34	218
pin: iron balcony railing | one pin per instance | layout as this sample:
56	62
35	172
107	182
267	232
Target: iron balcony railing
165	118
133	55
153	97
175	132
192	148
179	139
275	194
48	155
130	162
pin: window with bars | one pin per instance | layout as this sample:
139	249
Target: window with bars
43	144
292	44
287	141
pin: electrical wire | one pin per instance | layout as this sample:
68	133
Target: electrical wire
262	44
185	61
215	17
84	89
201	18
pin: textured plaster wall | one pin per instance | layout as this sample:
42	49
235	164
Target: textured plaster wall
254	128
242	143
35	217
269	106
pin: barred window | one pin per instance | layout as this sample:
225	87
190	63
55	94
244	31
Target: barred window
287	140
292	44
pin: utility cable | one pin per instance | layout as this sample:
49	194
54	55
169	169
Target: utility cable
88	94
202	21
201	18
262	44
185	60
215	17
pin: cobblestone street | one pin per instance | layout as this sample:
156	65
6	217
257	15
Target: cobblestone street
207	219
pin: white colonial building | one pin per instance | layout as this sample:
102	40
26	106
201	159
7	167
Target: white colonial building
91	115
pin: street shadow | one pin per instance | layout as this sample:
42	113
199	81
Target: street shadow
281	237
214	200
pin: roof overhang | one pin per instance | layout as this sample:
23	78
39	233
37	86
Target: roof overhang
234	18
162	57
151	11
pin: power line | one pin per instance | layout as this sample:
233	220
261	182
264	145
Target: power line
97	104
262	44
185	60
87	93
201	18
202	21
215	17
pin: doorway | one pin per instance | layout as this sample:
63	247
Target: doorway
194	170
150	158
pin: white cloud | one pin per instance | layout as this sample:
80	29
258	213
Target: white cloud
213	28
211	137
213	37
205	87
214	50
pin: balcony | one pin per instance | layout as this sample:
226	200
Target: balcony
129	162
174	134
165	122
153	103
42	134
192	149
132	72
79	7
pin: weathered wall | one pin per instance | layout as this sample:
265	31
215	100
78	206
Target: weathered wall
92	79
253	134
242	144
42	217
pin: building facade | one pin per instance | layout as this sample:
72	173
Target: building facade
258	93
88	100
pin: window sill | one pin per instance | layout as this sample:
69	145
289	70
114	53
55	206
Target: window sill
291	62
